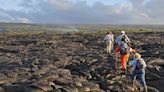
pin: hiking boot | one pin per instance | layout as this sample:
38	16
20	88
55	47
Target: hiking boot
122	69
124	72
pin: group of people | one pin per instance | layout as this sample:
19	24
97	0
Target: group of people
122	46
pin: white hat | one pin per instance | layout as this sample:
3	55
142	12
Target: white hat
122	32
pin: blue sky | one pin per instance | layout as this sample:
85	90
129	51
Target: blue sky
83	11
9	4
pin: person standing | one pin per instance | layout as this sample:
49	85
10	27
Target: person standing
112	40
109	39
139	66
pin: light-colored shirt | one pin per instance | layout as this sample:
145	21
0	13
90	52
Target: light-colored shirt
118	39
108	38
112	37
134	63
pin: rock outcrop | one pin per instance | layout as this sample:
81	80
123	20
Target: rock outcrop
74	62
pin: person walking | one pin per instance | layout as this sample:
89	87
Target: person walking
122	35
109	39
139	66
124	50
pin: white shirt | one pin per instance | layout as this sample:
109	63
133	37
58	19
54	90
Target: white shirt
108	38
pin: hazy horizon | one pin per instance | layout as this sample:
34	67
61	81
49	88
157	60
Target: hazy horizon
71	24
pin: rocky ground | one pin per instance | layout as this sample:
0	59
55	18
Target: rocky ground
74	62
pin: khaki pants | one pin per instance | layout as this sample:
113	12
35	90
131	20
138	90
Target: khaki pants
109	46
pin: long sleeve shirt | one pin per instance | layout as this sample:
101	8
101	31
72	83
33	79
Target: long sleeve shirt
134	63
118	39
108	37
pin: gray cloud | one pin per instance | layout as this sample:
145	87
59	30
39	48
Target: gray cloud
4	15
67	12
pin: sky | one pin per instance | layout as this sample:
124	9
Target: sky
82	11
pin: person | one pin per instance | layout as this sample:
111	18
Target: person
124	50
122	35
112	40
139	66
109	39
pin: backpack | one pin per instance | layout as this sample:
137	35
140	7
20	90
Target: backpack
124	49
139	65
125	38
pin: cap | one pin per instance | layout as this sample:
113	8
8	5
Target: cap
122	32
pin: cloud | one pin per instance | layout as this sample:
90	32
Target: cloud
23	20
13	16
61	4
5	16
26	3
69	12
